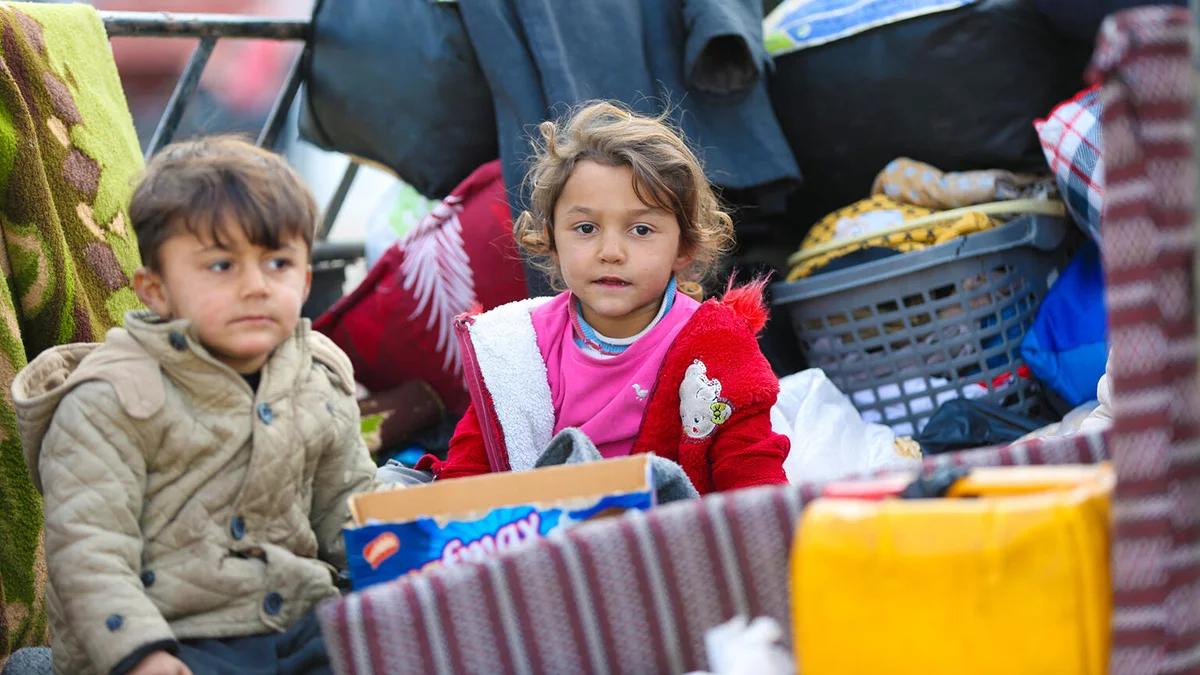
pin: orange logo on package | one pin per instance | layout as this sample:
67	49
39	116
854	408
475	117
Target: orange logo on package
380	549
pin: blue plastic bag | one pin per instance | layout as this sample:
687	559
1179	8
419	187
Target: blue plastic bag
1067	347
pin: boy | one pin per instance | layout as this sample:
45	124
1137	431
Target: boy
195	467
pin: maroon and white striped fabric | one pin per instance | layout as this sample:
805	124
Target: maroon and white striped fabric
1149	246
635	594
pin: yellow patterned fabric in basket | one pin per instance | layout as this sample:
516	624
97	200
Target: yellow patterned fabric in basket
879	213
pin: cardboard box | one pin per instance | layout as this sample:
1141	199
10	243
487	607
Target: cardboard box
467	519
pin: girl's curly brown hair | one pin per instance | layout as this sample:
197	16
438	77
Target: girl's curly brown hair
666	175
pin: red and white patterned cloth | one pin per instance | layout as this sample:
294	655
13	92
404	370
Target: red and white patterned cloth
635	594
1071	141
398	324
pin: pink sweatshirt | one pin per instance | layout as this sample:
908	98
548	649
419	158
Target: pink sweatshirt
603	397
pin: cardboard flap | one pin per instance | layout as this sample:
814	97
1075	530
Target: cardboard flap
461	497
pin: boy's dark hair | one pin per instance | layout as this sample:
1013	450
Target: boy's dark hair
205	185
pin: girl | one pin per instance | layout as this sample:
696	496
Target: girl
623	217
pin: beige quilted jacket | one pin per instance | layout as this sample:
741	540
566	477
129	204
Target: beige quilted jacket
180	504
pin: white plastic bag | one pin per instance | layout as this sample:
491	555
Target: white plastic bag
738	648
829	438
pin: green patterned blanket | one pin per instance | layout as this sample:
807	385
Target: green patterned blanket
69	157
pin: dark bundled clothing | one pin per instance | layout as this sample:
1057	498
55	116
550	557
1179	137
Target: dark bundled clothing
298	651
703	59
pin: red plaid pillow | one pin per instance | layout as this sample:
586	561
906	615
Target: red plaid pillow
398	325
1070	138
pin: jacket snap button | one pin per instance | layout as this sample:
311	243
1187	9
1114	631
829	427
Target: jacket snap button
237	527
265	413
177	340
148	578
273	603
114	622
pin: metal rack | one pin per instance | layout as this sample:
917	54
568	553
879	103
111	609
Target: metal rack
209	28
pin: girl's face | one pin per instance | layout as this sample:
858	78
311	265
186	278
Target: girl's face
616	253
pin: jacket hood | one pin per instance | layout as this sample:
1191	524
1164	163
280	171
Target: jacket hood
133	361
40	386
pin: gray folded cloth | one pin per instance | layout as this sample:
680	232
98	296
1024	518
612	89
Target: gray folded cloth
572	446
395	472
29	661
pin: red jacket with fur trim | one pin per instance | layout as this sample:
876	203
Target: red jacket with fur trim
709	410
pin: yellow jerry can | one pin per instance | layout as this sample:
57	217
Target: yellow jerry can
1009	574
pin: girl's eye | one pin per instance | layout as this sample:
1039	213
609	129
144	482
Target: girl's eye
585	228
220	266
642	230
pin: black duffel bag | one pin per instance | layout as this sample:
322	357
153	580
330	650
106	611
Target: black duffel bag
958	89
1080	19
398	83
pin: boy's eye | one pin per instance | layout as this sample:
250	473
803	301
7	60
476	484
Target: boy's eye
280	263
585	228
642	230
220	266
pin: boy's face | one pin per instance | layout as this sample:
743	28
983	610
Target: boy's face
243	299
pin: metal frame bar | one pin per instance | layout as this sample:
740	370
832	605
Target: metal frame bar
167	24
209	28
182	95
283	103
339	198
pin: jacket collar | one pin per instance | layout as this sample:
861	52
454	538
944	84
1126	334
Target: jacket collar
175	345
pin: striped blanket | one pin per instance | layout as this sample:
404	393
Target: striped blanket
1149	250
627	595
